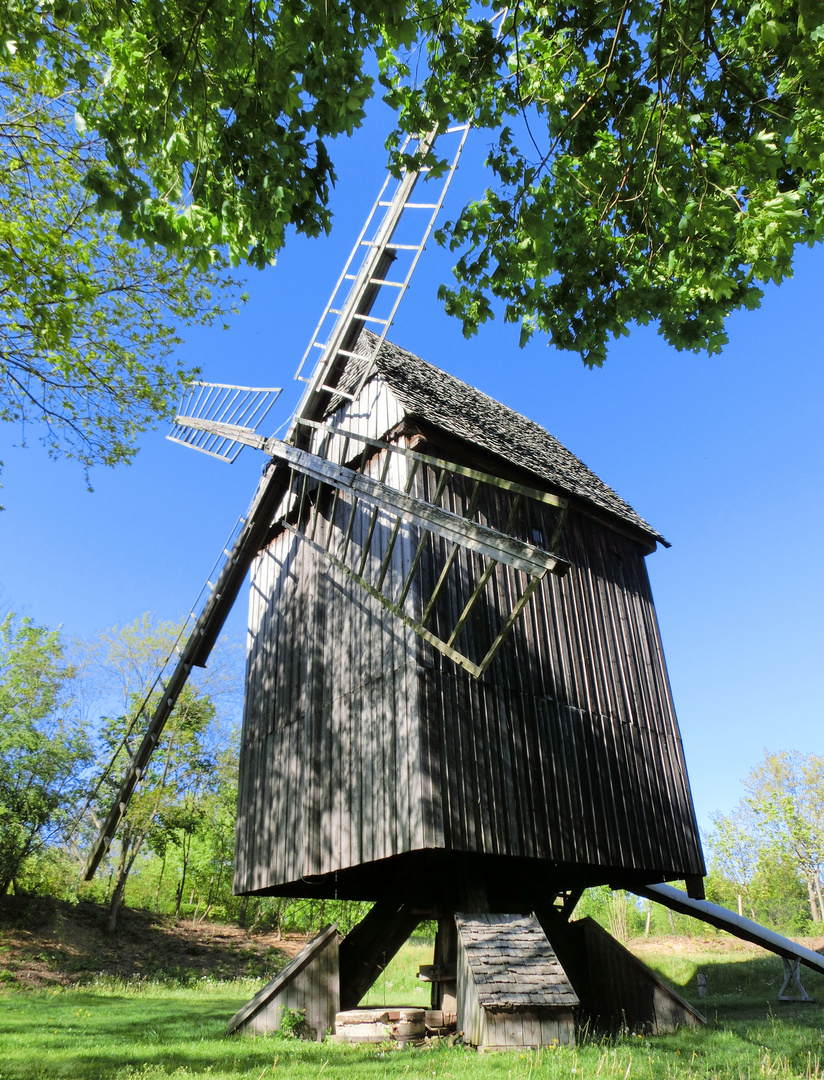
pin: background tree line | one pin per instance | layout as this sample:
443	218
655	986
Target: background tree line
66	715
67	726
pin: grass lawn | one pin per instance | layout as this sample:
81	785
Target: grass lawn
134	1028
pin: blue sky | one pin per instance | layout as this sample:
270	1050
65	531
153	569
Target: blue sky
721	454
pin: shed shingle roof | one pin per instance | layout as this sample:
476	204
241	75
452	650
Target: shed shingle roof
440	399
512	962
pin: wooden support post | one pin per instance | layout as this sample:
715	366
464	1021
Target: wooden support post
369	946
792	974
445	991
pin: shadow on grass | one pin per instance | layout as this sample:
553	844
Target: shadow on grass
82	1036
754	980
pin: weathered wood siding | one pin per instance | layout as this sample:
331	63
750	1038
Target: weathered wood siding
508	1029
568	748
471	1015
617	990
361	742
330	750
505	993
308	985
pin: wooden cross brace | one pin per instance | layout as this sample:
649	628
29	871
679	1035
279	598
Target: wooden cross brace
792	974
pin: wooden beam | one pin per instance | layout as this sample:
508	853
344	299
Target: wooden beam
369	946
245	435
479	538
442	646
441	463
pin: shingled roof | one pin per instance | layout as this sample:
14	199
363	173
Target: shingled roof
431	395
512	962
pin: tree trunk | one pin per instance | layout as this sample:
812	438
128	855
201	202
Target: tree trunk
649	919
159	883
820	900
123	870
184	851
814	912
241	919
114	904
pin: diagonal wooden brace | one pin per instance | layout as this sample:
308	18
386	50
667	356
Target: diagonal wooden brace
792	974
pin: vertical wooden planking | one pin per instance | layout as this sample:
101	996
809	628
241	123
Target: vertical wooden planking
435	809
567	749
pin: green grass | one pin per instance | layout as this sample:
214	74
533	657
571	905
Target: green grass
399	984
135	1029
740	984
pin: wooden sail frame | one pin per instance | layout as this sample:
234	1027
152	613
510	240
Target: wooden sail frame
207	410
314	477
496	547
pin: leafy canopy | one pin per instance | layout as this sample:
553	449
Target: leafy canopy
89	321
653	161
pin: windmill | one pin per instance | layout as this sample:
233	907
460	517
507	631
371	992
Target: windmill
456	695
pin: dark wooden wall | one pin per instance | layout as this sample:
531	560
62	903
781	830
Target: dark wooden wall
616	989
362	743
330	766
568	749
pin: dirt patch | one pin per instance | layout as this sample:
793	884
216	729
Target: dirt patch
46	942
722	944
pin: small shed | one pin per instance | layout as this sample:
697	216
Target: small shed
512	990
309	985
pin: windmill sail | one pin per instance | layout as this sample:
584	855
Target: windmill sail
220	418
392	240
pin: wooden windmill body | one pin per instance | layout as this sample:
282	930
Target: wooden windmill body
366	751
456	697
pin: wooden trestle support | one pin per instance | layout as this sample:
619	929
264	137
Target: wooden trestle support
502	980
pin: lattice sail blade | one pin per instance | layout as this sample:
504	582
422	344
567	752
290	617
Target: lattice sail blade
219	419
382	526
380	267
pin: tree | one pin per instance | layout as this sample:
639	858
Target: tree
734	842
205	844
167	805
653	162
43	748
165	802
772	844
88	321
786	792
779	894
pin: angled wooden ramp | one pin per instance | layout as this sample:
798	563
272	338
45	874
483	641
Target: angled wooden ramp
309	984
734	924
617	990
790	951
